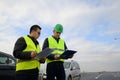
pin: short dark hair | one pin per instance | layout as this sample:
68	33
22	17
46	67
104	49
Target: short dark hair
35	27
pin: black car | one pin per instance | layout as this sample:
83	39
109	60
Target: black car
7	66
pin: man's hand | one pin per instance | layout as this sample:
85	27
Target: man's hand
42	60
56	57
71	56
33	54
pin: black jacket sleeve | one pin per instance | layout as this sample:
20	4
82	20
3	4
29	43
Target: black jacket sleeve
20	45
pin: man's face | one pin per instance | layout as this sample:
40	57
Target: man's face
37	33
56	34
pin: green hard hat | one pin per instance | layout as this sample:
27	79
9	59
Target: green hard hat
58	28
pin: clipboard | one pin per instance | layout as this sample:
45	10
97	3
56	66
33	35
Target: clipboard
44	53
47	51
67	53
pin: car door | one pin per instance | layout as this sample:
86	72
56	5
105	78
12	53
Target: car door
77	71
7	67
73	70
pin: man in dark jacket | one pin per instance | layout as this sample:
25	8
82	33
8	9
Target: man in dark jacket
25	50
54	61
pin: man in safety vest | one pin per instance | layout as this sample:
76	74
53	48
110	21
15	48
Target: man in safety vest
25	50
54	62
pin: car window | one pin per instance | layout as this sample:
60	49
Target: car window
6	60
75	65
66	65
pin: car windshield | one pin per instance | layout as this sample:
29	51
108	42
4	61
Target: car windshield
66	65
6	60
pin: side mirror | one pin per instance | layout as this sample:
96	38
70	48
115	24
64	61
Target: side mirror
73	68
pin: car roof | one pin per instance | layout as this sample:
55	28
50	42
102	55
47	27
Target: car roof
3	53
6	54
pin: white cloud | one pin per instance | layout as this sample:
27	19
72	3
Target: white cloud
93	54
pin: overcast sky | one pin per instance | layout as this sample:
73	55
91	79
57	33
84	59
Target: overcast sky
91	27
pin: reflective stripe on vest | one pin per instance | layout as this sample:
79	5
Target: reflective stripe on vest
29	64
54	44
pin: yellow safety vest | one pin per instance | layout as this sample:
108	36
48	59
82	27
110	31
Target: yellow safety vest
58	45
29	64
